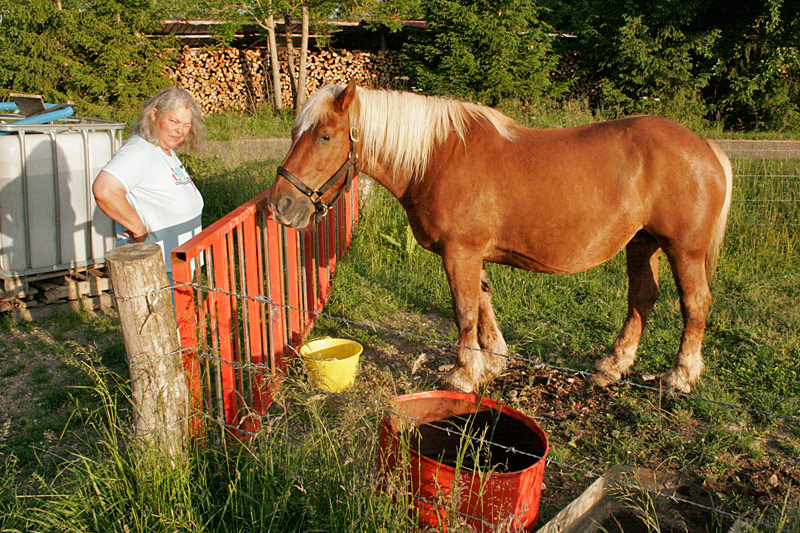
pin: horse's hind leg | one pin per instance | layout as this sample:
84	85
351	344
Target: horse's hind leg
642	262
490	337
691	281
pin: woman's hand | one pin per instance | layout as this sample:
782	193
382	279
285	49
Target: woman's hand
133	237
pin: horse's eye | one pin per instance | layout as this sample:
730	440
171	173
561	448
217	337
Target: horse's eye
325	138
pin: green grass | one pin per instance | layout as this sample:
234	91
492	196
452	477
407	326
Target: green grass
262	122
225	188
308	468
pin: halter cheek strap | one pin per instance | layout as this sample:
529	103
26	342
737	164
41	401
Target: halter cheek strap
349	170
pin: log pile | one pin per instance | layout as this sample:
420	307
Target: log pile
229	78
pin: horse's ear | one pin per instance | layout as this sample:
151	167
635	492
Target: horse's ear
345	98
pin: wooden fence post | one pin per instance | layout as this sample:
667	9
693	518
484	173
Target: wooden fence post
146	314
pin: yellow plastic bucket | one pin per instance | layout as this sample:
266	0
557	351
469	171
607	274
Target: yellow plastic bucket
331	363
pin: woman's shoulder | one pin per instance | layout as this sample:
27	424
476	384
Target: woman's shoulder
138	143
132	160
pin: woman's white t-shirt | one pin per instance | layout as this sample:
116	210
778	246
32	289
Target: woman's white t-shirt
160	191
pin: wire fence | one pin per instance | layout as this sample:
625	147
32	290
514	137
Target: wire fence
263	368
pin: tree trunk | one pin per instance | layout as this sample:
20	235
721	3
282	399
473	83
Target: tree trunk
287	25
273	56
301	74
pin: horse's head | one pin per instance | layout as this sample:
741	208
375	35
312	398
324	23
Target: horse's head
322	161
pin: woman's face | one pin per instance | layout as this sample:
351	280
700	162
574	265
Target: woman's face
172	126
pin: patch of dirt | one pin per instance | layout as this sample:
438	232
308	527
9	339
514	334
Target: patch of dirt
41	379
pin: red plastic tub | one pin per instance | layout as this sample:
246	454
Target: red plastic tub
505	489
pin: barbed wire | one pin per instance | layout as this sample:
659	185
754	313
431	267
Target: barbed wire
481	442
265	368
766	175
581	373
536	364
766	201
147	296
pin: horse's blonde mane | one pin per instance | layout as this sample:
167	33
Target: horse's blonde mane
398	129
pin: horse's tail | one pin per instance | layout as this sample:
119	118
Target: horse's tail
712	256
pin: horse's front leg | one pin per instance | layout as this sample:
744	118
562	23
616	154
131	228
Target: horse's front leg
490	338
463	271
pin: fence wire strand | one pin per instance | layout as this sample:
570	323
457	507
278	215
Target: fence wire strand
265	368
669	494
536	364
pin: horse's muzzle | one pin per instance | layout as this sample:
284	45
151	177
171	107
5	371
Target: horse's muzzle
293	212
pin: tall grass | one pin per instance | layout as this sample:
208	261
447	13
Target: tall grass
224	188
311	466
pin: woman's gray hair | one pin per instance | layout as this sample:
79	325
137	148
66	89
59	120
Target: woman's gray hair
167	100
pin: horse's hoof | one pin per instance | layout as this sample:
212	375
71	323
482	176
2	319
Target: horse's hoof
494	368
674	381
598	380
455	381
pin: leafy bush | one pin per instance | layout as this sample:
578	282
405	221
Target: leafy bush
653	71
685	59
757	80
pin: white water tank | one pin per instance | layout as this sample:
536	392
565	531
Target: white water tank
49	220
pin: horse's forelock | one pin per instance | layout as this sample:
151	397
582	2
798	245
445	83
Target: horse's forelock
317	108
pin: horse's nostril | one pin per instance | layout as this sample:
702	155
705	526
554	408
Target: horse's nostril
284	203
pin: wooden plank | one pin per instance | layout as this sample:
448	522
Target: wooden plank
69	289
225	328
275	283
22	311
252	314
293	285
187	330
600	500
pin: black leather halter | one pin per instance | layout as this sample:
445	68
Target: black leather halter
349	170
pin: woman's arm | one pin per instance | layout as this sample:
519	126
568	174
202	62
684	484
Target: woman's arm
110	195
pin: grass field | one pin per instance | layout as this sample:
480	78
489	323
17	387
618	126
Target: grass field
66	463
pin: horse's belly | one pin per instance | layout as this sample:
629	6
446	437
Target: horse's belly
562	254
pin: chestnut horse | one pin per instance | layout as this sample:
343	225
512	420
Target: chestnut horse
479	187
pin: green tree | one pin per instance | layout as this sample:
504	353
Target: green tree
654	70
636	56
378	14
756	83
92	52
494	52
685	58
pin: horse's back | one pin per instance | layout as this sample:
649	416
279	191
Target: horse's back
568	199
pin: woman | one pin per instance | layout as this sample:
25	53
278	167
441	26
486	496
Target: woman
144	187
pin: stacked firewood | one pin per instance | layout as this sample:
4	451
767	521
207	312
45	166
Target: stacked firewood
229	78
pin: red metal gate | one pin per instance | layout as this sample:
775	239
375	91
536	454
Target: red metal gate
247	289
